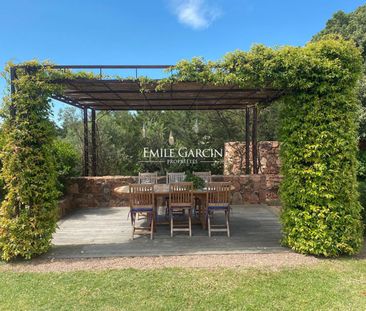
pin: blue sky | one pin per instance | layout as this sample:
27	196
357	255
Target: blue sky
153	31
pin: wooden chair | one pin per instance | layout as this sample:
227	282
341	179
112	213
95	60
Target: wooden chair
175	177
142	202
148	178
180	199
170	178
206	176
218	199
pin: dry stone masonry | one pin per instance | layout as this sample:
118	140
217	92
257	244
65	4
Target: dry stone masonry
268	157
93	192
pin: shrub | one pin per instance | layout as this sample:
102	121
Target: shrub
321	211
361	169
362	189
67	161
198	182
28	213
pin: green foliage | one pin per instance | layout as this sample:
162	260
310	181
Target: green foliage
361	169
66	162
351	26
28	213
120	141
198	182
321	212
362	190
2	143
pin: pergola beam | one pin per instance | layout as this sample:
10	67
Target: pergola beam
215	101
168	91
166	108
101	66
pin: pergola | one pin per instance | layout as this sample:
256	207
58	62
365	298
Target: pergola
126	95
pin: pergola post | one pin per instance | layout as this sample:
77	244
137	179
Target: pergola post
247	141
94	143
254	141
12	91
86	143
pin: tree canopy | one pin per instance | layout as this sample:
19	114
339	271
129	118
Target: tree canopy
351	26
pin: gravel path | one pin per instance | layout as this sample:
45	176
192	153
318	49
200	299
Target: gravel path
272	261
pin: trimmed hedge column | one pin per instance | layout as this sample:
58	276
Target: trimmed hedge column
28	213
321	212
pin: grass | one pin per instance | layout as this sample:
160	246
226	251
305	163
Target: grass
333	285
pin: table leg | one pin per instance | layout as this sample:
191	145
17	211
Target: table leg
202	212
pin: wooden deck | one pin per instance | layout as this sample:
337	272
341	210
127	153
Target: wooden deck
106	232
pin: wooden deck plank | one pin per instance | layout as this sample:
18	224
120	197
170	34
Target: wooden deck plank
106	232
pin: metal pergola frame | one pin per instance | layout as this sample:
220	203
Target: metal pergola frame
124	95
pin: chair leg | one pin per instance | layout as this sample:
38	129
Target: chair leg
152	226
209	224
227	223
133	222
166	208
171	223
190	222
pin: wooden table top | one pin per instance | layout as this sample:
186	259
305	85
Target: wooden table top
158	189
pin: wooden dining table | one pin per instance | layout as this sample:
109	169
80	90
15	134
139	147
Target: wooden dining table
162	191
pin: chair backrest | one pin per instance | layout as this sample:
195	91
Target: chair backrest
175	177
148	178
206	176
181	194
141	195
218	193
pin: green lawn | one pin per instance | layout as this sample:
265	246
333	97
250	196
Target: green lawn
331	285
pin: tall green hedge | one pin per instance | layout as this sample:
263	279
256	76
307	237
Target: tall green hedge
28	213
321	211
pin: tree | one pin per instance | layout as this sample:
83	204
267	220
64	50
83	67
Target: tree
351	26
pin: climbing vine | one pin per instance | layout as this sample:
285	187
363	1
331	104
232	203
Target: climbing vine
321	212
28	213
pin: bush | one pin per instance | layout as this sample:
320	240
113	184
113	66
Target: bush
198	182
361	169
362	189
28	213
67	161
321	211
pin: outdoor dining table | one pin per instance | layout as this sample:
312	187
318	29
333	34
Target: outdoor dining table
162	191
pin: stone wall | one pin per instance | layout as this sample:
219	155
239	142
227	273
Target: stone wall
268	156
92	192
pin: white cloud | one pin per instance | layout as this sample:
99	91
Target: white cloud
197	14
